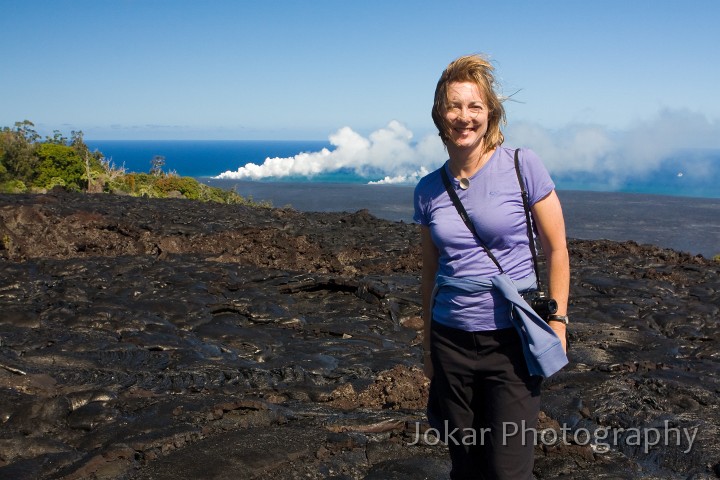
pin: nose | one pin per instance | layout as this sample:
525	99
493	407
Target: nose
464	114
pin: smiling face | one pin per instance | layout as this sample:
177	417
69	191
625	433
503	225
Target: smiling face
466	115
468	78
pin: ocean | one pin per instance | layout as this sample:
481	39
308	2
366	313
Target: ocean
654	210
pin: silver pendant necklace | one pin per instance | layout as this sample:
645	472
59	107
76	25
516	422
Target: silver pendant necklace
464	181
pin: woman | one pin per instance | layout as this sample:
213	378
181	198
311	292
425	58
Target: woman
486	395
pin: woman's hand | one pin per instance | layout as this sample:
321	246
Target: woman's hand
427	365
430	257
561	331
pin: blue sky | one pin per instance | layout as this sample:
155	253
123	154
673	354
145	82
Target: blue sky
215	69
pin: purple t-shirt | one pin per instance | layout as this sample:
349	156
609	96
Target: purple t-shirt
494	204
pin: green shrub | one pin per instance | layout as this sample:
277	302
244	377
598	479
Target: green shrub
132	183
188	186
147	191
59	165
13	186
55	182
219	195
116	185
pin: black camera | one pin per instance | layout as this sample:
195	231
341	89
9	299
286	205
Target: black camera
543	305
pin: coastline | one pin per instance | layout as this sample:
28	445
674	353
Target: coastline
686	224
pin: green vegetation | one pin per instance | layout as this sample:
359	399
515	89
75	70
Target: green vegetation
30	164
6	243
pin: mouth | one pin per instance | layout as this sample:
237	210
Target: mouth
463	130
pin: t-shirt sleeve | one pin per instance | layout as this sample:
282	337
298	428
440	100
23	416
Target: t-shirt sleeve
420	216
537	179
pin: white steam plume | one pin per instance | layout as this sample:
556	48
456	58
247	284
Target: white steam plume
387	151
580	148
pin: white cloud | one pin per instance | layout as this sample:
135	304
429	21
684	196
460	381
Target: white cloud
619	154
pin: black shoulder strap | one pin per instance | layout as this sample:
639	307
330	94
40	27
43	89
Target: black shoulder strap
463	214
528	218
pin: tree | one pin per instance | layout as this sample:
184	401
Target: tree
57	138
157	163
17	151
81	149
27	130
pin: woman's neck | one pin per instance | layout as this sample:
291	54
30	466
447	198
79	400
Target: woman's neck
465	164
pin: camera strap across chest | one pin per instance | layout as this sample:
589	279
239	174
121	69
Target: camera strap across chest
528	218
466	218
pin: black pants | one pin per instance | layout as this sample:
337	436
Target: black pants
486	402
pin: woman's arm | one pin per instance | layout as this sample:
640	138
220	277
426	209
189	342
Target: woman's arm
551	229
427	283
